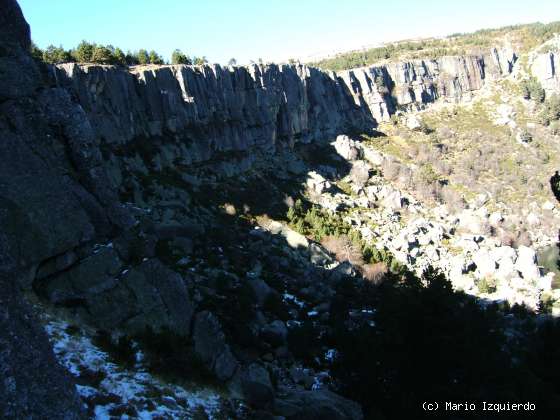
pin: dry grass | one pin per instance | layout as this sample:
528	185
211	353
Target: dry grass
343	249
374	273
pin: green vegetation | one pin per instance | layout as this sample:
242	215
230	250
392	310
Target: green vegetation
338	237
315	222
177	57
155	58
532	89
528	36
551	110
87	52
487	285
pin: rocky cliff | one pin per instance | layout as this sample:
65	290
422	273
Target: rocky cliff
227	116
211	109
96	180
546	67
410	85
33	385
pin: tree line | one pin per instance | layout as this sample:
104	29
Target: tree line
88	52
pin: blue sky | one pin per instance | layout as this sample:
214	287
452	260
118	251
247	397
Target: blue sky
273	30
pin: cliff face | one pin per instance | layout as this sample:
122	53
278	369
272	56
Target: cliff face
40	215
384	89
546	68
211	109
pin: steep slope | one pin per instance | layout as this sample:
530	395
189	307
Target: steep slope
33	384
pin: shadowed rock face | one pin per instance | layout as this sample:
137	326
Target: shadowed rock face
211	109
13	27
32	384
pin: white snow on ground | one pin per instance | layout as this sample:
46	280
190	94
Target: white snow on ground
124	393
291	298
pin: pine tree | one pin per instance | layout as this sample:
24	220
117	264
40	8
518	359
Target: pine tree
102	55
84	52
155	58
142	57
36	52
179	58
119	57
55	55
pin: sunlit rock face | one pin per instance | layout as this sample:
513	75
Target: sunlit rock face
412	84
546	69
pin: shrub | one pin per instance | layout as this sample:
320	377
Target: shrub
525	136
546	303
444	133
120	349
390	169
374	273
454	200
316	222
551	110
343	249
532	89
487	285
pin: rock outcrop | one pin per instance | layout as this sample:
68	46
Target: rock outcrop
211	109
410	85
206	113
40	215
545	68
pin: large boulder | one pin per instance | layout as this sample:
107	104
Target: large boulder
317	183
252	383
148	295
32	383
261	290
211	347
347	148
275	333
526	263
485	263
160	299
317	405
